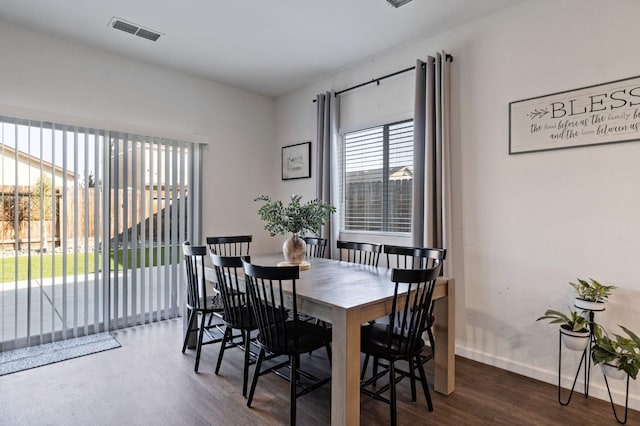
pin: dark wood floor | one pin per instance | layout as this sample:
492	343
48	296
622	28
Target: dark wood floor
148	381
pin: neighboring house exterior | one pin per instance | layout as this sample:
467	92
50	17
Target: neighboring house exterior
29	169
20	173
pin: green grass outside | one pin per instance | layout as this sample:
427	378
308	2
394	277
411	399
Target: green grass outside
51	263
134	259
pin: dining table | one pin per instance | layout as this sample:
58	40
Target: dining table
348	295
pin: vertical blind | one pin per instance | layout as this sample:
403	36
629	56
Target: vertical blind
377	177
91	223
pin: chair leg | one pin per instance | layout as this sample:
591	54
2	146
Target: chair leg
329	353
292	388
200	337
425	386
247	354
256	373
188	332
364	367
392	393
225	339
375	369
432	341
412	379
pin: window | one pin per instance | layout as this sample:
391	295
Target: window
377	176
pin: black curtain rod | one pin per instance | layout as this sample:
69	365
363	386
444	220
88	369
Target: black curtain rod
377	80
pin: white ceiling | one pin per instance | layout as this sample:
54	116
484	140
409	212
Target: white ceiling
267	47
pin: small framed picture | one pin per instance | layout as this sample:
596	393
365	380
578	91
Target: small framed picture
296	161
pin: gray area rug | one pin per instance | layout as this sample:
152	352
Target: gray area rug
37	356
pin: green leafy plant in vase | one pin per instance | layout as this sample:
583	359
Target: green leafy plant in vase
574	327
591	294
618	355
296	218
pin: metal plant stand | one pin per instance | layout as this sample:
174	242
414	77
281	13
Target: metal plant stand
626	401
585	354
585	358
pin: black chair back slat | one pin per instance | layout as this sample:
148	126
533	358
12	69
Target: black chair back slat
238	245
362	253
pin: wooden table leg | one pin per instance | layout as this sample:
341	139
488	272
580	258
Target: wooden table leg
444	331
345	369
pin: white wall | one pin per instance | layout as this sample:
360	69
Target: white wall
525	225
49	79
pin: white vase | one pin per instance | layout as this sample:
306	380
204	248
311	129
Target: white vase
611	370
588	305
575	340
294	249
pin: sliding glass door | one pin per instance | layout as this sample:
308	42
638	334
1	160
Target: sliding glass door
91	223
148	218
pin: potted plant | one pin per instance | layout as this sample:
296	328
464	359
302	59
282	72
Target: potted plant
591	294
296	218
574	327
618	355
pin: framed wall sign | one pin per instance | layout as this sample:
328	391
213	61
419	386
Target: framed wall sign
592	115
296	161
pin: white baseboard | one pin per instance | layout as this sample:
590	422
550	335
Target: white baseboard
597	388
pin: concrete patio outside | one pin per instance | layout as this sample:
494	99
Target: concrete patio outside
47	307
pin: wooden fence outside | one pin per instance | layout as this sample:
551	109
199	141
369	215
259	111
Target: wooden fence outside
364	205
32	232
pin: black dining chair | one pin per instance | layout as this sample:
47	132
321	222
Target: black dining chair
269	288
400	339
316	246
362	253
200	302
412	258
237	314
237	245
416	258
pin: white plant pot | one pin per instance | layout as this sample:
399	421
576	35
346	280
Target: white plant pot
588	305
612	372
575	340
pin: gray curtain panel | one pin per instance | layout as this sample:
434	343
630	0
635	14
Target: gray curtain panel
328	113
431	225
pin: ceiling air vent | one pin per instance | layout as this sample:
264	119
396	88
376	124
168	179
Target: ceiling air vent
128	27
149	35
398	3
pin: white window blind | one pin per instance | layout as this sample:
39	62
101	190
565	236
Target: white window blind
377	178
91	222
